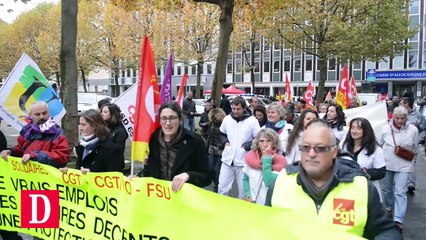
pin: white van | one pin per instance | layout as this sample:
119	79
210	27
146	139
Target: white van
369	97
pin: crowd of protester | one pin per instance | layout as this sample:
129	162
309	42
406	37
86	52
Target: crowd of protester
282	155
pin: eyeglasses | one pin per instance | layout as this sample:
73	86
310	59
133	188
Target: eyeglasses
317	149
170	118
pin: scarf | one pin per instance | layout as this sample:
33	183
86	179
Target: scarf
277	127
254	160
396	126
332	123
168	152
317	193
89	144
48	127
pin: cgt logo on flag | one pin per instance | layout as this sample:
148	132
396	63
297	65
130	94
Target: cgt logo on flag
39	209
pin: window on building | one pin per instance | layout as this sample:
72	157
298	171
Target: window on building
229	68
277	54
129	73
357	65
238	66
179	70
276	66
209	69
266	66
308	64
229	56
158	71
384	64
398	62
256	46
202	69
256	67
297	65
135	72
412	59
123	73
332	64
193	70
186	69
287	65
266	46
414	8
173	71
238	56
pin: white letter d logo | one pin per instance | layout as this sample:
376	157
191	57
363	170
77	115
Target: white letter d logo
34	211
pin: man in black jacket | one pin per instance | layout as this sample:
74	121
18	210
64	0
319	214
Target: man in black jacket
330	189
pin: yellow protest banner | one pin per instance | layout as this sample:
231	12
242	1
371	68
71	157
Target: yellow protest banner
110	206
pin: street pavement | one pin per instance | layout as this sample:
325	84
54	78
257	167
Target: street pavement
415	218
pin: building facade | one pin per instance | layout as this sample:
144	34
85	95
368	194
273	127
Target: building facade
405	72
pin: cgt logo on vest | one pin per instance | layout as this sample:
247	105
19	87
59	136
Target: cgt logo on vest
39	209
344	212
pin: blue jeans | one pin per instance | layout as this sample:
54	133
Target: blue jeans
394	189
214	167
188	123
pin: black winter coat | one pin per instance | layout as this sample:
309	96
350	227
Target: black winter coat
106	157
190	158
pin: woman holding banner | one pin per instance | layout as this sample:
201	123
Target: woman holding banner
176	154
96	153
361	142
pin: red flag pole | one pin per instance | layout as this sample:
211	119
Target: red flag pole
148	102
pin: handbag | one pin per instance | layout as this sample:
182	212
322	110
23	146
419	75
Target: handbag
402	152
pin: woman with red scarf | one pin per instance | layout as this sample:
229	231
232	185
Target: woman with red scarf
264	151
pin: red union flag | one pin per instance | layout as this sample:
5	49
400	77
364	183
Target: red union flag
179	99
288	97
342	95
308	95
148	102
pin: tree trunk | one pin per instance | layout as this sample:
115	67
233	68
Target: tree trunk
252	63
116	76
83	78
197	90
322	64
225	31
68	63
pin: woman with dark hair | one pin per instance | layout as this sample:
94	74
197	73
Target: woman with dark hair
259	112
335	118
361	142
292	146
96	153
111	114
176	154
214	145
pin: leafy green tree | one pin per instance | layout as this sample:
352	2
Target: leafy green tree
194	40
337	29
225	30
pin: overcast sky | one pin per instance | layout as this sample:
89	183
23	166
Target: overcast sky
6	7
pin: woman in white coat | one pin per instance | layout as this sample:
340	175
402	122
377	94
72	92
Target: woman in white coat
394	186
361	142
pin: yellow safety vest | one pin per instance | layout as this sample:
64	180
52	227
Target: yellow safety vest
345	207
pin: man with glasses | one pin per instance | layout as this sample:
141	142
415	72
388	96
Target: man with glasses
330	189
